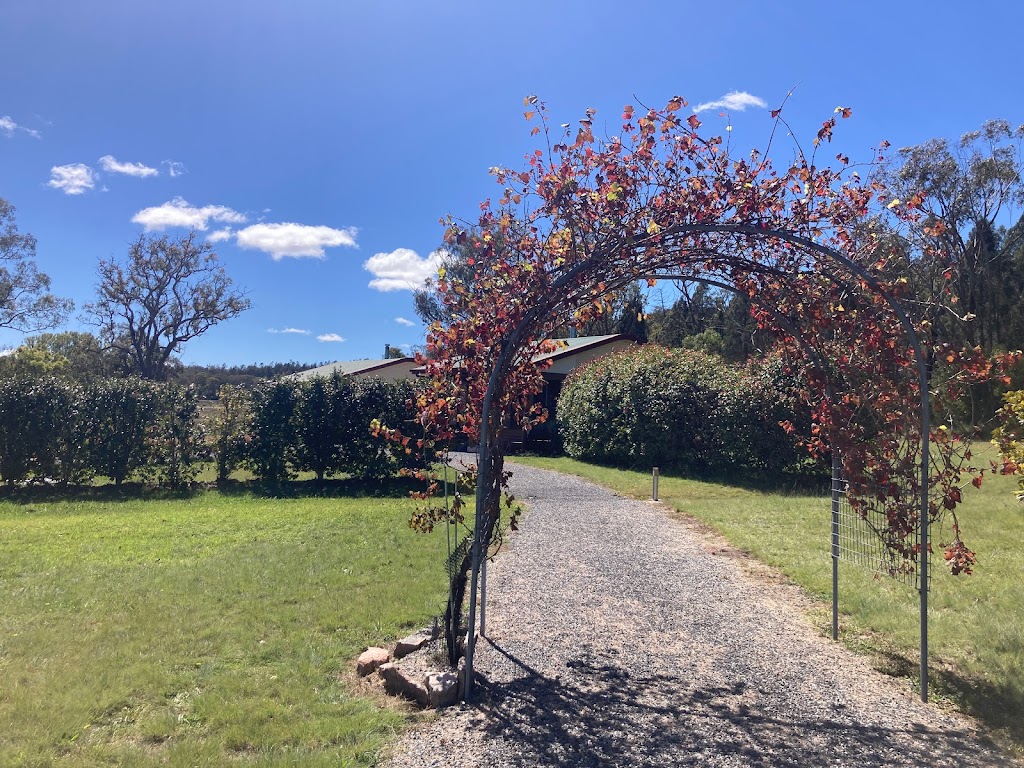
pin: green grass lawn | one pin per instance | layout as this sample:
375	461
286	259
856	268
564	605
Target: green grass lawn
204	629
976	622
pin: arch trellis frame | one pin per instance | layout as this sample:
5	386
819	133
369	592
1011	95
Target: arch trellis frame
489	451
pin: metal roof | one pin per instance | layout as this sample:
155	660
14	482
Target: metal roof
352	367
578	344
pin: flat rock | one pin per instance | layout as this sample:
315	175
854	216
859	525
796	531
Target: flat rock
370	659
413	642
400	682
442	689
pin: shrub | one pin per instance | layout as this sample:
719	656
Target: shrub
272	434
229	429
333	417
391	403
36	420
320	405
1009	436
118	413
175	437
677	409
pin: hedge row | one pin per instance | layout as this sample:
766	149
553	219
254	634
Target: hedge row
55	430
59	431
319	425
679	409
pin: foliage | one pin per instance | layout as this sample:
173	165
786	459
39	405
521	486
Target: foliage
677	409
456	258
168	292
585	217
71	403
271	441
965	189
29	420
376	401
26	303
85	356
320	405
228	430
26	362
70	354
120	413
708	320
1009	436
327	425
55	429
176	439
42	437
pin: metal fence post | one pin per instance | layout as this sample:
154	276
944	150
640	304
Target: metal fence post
654	484
836	480
483	597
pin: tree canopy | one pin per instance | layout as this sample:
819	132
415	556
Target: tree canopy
967	191
169	291
26	303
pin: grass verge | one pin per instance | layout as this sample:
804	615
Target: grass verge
205	628
976	623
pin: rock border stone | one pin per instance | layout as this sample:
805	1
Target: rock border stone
411	670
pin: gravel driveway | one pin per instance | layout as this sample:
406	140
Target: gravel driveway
619	636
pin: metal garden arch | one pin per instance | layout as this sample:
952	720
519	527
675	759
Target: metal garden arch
671	243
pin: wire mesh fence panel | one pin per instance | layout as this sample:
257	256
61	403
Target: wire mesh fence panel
865	540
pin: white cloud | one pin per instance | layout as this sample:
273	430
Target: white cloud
174	168
178	213
109	164
220	235
73	179
8	126
300	331
403	321
294	240
330	337
734	100
402	269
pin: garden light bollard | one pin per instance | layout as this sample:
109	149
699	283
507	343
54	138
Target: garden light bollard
654	484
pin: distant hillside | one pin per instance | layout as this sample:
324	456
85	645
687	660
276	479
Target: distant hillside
209	378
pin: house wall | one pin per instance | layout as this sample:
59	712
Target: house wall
564	365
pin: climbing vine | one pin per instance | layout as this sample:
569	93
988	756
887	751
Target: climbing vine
812	244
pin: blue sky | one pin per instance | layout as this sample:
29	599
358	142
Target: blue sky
311	139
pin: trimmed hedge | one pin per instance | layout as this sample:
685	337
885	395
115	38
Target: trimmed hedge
55	430
319	425
679	409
